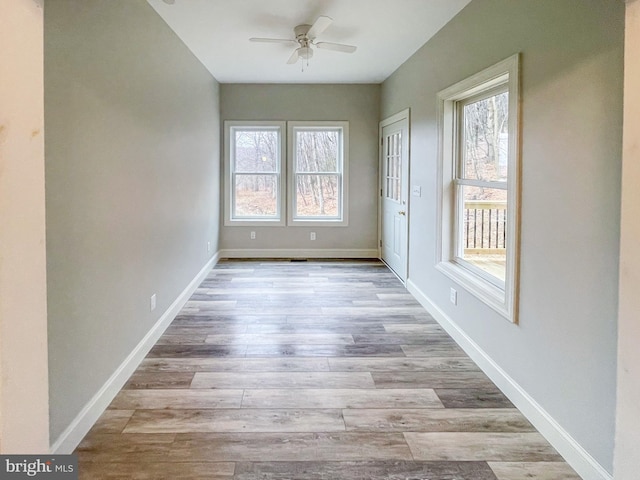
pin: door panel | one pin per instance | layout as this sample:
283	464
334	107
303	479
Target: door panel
397	236
394	176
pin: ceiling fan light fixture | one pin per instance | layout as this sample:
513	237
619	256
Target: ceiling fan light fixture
305	53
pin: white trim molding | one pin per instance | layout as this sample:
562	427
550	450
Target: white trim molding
575	455
80	426
299	253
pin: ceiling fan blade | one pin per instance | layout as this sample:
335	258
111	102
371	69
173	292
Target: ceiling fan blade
319	26
337	47
272	40
294	57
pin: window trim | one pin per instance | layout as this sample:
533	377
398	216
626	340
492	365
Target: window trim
343	178
503	299
229	220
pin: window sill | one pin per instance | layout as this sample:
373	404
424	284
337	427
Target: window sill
252	222
318	223
485	291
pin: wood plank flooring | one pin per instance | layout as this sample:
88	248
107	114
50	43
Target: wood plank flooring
315	370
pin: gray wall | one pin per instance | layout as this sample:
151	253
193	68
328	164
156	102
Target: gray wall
359	104
132	185
563	353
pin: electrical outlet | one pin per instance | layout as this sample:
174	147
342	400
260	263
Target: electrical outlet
152	302
208	247
453	296
252	235
312	236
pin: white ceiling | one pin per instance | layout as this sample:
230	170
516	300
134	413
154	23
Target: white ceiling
386	32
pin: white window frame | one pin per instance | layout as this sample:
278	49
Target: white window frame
342	173
229	174
501	296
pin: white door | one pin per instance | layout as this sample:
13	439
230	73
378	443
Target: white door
394	176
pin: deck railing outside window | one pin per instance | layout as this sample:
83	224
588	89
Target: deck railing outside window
484	226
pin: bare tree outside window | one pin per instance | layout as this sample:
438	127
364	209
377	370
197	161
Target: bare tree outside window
281	173
256	173
484	161
485	139
317	172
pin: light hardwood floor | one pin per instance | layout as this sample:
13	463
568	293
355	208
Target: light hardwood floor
279	370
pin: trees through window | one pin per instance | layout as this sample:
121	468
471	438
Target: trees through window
256	172
258	187
317	166
482	182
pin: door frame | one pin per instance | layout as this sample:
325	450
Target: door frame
401	115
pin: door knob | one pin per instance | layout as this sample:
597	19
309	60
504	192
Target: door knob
402	212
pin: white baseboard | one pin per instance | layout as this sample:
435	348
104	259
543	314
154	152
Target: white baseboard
80	426
299	253
575	455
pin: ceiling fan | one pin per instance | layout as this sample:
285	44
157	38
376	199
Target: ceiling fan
305	39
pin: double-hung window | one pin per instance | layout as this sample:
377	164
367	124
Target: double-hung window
479	211
317	172
276	175
254	184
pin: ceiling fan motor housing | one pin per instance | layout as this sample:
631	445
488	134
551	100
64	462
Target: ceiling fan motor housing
301	32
